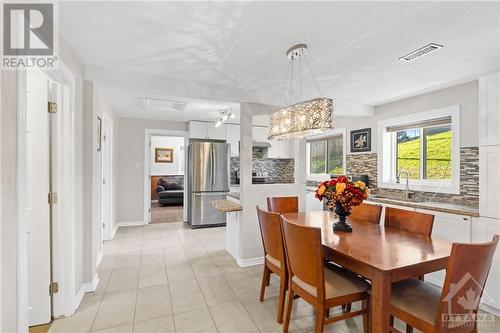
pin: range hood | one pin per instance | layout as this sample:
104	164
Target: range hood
260	144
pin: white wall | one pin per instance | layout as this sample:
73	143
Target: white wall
174	168
466	95
130	174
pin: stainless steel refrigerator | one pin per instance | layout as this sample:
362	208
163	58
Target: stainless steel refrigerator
208	180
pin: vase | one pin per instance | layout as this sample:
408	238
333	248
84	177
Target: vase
342	224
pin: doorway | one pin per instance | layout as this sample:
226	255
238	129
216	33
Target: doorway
165	163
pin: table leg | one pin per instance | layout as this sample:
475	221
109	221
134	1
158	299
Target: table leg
380	303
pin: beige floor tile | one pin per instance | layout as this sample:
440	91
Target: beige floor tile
264	315
151	257
216	290
116	309
107	263
232	317
151	275
186	296
198	321
153	302
180	273
244	287
119	329
123	279
157	325
103	282
205	269
81	321
128	260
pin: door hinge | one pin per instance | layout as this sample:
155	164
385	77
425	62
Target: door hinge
52	107
52	198
53	288
103	225
103	181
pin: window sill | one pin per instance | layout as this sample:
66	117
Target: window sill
318	177
437	187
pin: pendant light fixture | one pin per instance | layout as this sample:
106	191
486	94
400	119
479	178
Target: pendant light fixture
304	118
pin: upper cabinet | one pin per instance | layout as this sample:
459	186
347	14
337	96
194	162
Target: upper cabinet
206	130
233	138
489	110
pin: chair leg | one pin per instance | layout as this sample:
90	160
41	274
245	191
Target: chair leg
281	301
365	307
266	276
391	321
409	329
320	320
288	311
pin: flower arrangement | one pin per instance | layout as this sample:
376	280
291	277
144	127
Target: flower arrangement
342	194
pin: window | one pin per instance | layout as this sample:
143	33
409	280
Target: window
427	146
326	156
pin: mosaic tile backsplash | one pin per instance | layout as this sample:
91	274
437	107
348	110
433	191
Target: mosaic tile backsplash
279	170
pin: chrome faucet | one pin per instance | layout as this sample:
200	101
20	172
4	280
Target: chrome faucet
408	194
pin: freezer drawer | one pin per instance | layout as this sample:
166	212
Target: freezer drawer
203	214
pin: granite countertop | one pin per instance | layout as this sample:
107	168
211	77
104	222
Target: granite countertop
435	206
226	206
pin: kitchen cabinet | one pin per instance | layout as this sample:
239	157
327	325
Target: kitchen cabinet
312	204
489	110
233	138
489	182
206	130
483	230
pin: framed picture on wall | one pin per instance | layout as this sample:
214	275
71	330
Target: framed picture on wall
99	133
361	140
164	155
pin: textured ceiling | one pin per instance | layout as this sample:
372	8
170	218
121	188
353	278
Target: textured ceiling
235	51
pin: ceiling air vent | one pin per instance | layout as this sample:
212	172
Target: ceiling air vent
164	104
421	52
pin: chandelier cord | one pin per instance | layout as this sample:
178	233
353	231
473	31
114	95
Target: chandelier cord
284	86
291	83
312	74
300	78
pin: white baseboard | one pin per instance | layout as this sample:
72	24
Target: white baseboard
129	223
113	231
98	260
250	262
85	288
490	306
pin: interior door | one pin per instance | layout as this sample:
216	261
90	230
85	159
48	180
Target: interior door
38	215
105	199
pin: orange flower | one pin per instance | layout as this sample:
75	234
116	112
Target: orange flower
321	189
340	188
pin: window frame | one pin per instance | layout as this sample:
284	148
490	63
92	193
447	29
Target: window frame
387	153
325	136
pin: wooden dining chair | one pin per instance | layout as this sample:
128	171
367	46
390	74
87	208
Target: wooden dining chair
274	256
283	205
427	308
406	220
366	213
322	285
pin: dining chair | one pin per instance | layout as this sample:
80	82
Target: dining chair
406	220
366	213
321	285
283	205
274	256
427	308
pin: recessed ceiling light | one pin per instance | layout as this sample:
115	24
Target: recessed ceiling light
164	104
421	52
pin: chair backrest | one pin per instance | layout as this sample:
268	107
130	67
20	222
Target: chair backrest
418	223
466	275
304	254
272	239
283	205
366	213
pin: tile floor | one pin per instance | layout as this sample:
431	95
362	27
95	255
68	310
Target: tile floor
168	278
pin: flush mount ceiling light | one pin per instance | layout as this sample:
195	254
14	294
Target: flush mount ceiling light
304	118
223	116
421	52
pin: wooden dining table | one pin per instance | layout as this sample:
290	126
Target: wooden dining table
381	254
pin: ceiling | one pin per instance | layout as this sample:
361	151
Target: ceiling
217	53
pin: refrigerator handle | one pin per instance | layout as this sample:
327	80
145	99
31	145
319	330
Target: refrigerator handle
212	165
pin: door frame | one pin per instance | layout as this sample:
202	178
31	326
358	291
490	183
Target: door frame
63	260
107	176
148	133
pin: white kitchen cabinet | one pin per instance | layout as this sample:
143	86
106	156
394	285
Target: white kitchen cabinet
206	130
284	148
489	110
483	230
259	133
312	204
489	181
233	138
